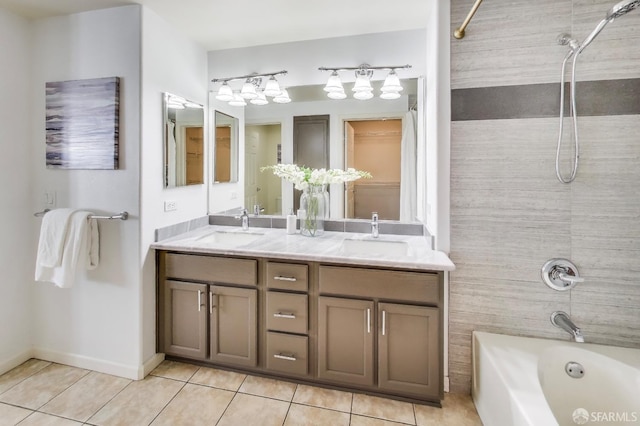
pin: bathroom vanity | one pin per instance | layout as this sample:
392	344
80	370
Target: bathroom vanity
354	316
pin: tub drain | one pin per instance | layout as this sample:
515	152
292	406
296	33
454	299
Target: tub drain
574	369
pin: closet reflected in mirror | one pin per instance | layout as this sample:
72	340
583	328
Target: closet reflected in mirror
183	141
225	157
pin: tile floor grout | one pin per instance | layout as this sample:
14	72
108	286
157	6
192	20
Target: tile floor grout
250	390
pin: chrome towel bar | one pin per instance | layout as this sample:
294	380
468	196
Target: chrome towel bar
121	215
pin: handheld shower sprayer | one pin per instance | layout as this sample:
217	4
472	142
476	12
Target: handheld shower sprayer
618	10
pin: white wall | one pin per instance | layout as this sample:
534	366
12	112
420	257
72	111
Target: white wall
16	213
170	63
96	324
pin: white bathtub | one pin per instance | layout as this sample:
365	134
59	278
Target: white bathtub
520	381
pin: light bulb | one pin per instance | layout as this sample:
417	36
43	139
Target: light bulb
282	98
337	95
225	93
248	90
334	84
362	84
391	83
260	100
389	95
272	88
363	95
237	100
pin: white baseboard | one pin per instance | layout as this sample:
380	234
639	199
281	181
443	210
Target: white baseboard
150	364
13	362
80	361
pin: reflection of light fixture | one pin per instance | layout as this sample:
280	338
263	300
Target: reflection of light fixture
225	93
237	100
261	99
251	89
362	89
178	102
283	97
272	88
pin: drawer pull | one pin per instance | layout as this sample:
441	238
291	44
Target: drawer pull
285	357
281	278
281	315
368	320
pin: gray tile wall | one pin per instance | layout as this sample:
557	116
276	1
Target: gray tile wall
509	214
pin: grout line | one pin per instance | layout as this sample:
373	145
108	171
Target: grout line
25	378
62	391
226	408
111	399
169	402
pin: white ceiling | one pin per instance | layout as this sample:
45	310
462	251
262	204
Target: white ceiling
216	24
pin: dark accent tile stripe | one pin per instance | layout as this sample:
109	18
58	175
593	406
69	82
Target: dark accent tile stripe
594	98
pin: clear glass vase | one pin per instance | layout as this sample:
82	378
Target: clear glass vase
312	211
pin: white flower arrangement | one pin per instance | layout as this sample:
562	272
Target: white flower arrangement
303	177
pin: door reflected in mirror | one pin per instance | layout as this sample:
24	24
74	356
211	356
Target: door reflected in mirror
225	157
183	142
263	191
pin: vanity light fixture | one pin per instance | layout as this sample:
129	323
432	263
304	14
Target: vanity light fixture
362	89
251	90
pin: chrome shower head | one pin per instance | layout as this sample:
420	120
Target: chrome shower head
616	11
622	8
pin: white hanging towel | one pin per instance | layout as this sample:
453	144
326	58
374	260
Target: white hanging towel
68	240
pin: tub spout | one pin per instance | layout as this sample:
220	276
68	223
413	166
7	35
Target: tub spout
561	320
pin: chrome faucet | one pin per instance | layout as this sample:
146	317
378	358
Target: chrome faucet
257	209
561	320
374	225
245	219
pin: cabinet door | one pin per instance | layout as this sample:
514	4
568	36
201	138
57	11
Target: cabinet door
345	340
185	319
233	325
408	349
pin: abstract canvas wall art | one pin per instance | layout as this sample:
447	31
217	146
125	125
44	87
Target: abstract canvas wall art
82	123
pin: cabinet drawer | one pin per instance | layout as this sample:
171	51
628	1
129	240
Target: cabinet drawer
287	312
287	353
287	276
211	269
421	287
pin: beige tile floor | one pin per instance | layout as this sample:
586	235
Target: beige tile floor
41	393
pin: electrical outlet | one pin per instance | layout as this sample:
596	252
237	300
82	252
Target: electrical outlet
49	199
170	206
233	195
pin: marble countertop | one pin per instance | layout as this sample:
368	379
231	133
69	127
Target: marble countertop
330	247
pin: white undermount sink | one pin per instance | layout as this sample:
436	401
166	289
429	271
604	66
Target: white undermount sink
374	246
230	238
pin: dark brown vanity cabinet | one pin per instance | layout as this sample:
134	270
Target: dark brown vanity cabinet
214	320
360	328
383	318
184	329
287	318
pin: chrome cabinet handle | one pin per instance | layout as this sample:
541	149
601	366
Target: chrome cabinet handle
199	300
384	322
210	302
368	320
282	315
281	278
285	357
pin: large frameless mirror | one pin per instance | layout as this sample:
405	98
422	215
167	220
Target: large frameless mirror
183	142
225	156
